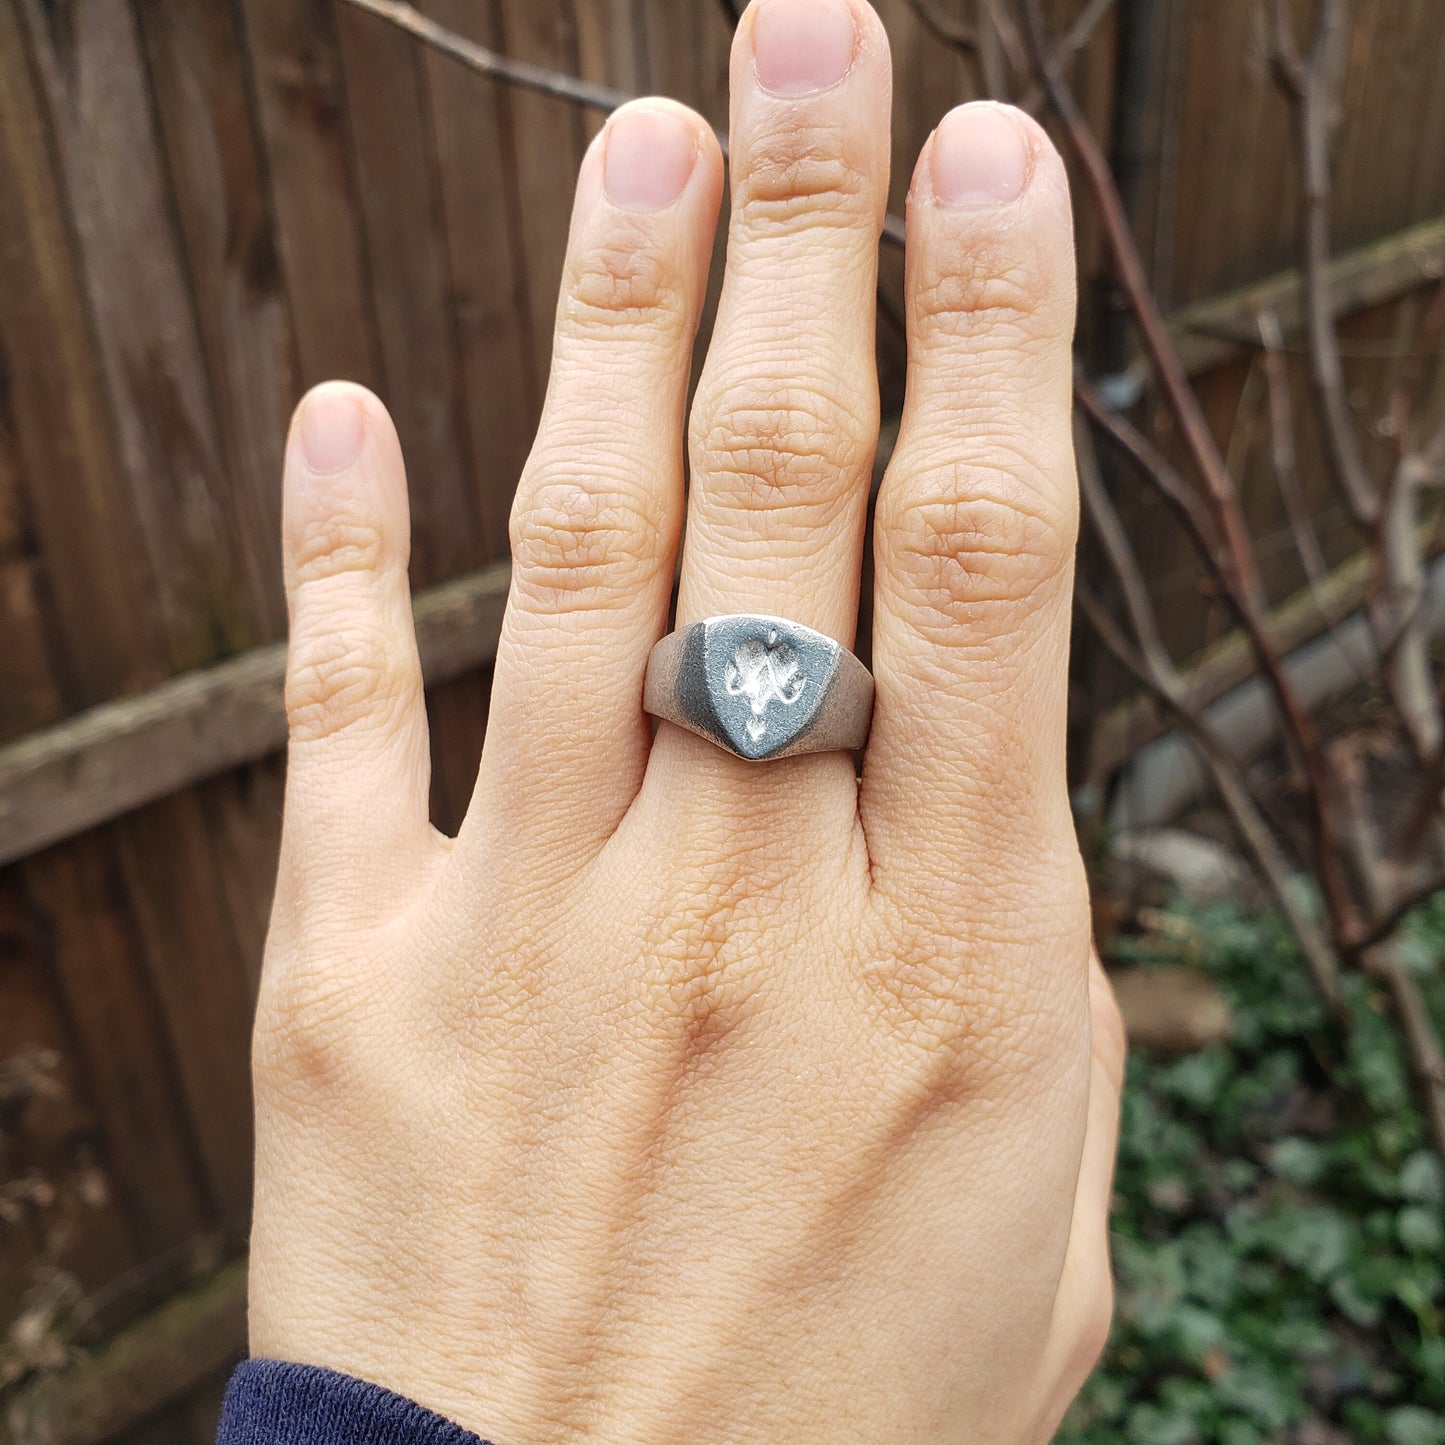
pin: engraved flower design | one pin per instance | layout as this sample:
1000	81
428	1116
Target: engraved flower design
764	670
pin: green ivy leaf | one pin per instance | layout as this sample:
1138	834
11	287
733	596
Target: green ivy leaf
1422	1179
1301	1161
1420	1230
1270	1399
1412	1425
1151	1425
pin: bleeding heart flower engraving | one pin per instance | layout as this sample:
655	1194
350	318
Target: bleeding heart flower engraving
764	670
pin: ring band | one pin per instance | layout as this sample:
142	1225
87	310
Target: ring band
760	687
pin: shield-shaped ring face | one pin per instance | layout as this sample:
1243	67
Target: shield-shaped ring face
765	681
760	687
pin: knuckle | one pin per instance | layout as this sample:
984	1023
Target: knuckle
798	444
992	278
304	1039
985	1001
575	543
620	283
804	179
982	295
337	676
981	536
331	542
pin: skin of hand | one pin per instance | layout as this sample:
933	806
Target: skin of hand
682	1098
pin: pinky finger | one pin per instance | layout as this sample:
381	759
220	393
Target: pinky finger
358	766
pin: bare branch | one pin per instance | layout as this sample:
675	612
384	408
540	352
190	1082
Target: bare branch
1299	727
975	40
1282	449
1309	85
1104	517
1074	39
1194	428
965	38
1412	684
1157	471
1401	546
1288	63
1008	35
1425	809
1243	590
1234	792
490	62
959	35
1405	399
1408	901
1422	1042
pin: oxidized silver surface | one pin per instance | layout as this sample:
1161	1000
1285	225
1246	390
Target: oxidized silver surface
761	687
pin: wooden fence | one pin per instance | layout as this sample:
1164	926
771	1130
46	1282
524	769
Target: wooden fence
207	205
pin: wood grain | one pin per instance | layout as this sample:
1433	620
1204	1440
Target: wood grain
481	230
391	133
122	755
229	238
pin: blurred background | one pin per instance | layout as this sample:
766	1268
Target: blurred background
208	205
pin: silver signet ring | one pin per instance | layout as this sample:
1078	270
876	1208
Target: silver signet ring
760	687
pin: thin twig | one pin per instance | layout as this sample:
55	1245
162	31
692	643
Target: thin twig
958	35
972	41
1401	550
1422	1044
1406	396
1008	35
1109	526
1309	85
1158	471
1244	591
1425	810
1168	367
1253	830
491	62
1074	39
1387	922
1282	448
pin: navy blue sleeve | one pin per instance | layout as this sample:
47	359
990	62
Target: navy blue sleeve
269	1402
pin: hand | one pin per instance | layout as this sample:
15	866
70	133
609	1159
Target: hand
680	1098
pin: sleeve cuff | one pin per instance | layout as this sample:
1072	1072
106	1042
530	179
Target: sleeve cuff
271	1402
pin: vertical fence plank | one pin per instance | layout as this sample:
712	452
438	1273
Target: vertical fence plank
95	86
199	81
94	83
301	101
202	986
243	823
547	145
76	890
51	1131
65	446
481	233
391	133
30	695
105	638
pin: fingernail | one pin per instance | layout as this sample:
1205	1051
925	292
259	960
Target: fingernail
331	428
650	154
800	46
979	157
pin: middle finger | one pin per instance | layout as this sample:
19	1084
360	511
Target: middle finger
786	416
